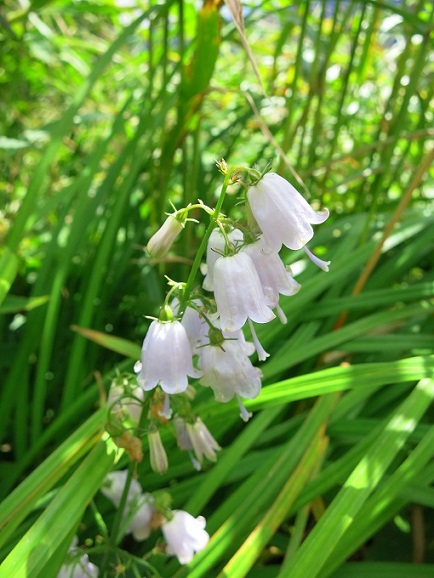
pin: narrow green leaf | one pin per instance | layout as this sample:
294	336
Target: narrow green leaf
325	537
117	344
8	271
41	542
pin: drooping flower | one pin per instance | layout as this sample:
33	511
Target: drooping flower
114	484
194	323
121	401
139	509
77	566
215	248
166	358
283	215
141	523
160	243
238	292
185	535
228	371
196	437
275	277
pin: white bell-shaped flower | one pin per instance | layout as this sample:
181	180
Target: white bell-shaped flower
228	371
166	358
140	525
275	277
238	292
138	507
114	484
202	441
215	248
194	323
283	215
185	535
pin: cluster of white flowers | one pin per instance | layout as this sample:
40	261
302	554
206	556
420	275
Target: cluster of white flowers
200	336
184	534
245	272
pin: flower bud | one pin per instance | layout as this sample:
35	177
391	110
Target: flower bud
160	243
158	456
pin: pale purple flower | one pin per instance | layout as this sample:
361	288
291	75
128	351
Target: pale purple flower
238	292
215	248
166	358
160	243
283	215
185	535
195	437
275	277
194	323
228	371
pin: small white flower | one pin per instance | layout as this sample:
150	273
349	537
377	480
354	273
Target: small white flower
274	276
215	248
140	525
120	403
194	323
114	484
166	358
203	442
238	292
160	243
229	371
185	535
283	215
138	507
196	437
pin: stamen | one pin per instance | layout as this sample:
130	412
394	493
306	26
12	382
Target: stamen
262	354
281	315
318	262
244	414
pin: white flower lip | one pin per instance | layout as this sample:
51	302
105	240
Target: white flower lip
238	292
283	215
185	535
166	358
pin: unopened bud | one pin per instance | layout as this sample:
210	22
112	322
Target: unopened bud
158	456
160	243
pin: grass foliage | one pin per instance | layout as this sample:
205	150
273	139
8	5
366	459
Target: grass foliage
107	113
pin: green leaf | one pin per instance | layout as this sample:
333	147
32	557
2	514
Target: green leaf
31	556
111	342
